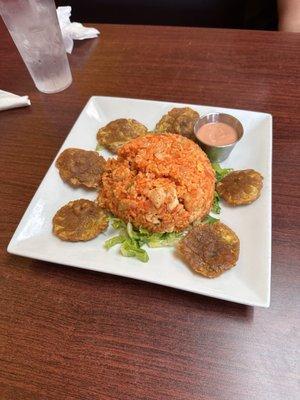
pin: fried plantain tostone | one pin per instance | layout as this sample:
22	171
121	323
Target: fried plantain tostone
240	187
79	220
118	132
210	249
80	167
180	121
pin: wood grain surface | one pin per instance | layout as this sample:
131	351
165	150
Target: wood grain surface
74	334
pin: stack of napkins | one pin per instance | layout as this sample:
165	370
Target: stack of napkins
10	100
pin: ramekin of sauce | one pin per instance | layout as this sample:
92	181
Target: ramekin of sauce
217	134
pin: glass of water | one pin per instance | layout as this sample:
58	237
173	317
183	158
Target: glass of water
34	27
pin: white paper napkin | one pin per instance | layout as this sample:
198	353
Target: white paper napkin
10	100
73	30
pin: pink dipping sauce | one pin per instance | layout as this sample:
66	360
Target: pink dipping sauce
217	134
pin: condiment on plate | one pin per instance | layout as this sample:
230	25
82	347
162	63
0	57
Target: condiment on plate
217	134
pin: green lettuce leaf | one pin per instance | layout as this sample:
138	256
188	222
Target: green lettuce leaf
117	223
163	239
99	147
210	220
220	172
114	240
130	248
216	208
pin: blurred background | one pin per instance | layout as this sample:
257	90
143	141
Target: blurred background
241	14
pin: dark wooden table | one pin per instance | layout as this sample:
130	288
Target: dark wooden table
71	334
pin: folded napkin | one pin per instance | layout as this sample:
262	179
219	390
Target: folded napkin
10	100
73	30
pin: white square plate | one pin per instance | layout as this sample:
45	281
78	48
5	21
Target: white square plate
247	283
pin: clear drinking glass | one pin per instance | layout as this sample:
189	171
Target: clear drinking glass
34	27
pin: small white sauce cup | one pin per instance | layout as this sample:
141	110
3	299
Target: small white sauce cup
219	153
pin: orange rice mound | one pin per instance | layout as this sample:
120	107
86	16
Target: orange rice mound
161	182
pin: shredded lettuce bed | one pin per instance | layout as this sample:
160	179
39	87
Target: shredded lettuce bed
132	239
